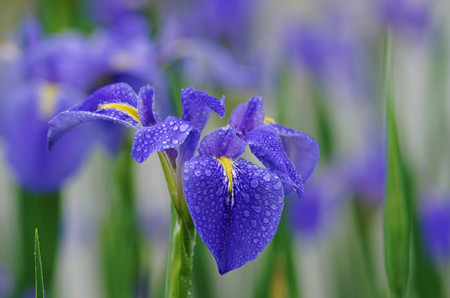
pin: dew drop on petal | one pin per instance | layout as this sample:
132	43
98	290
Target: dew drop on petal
257	209
246	213
175	141
184	127
254	183
255	240
266	177
265	220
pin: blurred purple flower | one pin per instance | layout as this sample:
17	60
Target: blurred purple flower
6	282
435	223
28	108
124	52
367	172
406	16
332	53
323	195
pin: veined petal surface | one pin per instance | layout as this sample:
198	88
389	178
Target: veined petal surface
116	103
235	225
302	149
222	142
247	116
266	145
146	106
197	106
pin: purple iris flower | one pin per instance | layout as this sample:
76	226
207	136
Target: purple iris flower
53	73
118	103
236	206
291	154
6	281
435	224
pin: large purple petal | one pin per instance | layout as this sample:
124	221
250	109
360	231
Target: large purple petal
222	142
197	106
116	103
169	133
266	145
247	116
146	106
234	226
302	149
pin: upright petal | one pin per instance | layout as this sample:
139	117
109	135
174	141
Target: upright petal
169	133
302	149
197	106
146	106
222	142
235	225
116	103
247	116
266	145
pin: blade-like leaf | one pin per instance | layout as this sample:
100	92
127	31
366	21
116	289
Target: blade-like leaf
39	278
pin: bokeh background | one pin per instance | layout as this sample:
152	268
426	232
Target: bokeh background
318	67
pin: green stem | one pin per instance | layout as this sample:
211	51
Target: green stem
182	241
42	211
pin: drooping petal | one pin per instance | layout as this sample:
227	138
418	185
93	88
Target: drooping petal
197	106
222	142
266	145
169	133
247	116
146	106
302	149
235	225
187	149
116	103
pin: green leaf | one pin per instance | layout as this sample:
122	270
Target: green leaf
39	277
397	218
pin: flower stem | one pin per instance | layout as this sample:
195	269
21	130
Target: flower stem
182	241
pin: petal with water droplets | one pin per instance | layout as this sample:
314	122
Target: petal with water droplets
169	133
236	226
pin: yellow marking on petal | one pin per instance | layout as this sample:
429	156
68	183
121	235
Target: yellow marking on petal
48	94
228	166
129	110
269	120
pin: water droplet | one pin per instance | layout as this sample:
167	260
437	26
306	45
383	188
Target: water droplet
255	240
277	185
266	177
175	127
253	222
274	207
138	148
268	213
257	209
207	172
246	197
254	183
175	141
184	127
265	220
246	213
171	123
197	173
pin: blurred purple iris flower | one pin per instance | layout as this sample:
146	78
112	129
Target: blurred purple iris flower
435	224
411	18
6	282
332	54
118	103
54	71
236	206
124	52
